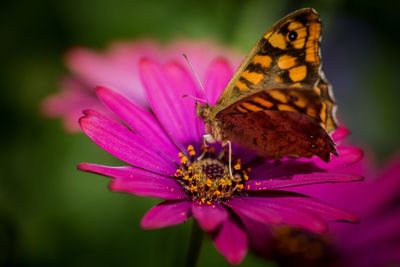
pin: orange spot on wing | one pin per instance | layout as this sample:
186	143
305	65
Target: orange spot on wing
253	77
297	74
242	86
263	102
278	40
251	107
242	110
278	95
311	55
286	62
264	61
300	101
295	25
284	107
311	112
322	113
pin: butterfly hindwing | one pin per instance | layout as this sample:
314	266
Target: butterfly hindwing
275	134
279	122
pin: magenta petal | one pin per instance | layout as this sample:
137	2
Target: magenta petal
375	229
299	180
137	181
138	120
327	212
208	216
166	214
69	103
274	210
340	134
124	144
217	78
348	155
387	186
231	241
182	84
102	69
283	168
169	105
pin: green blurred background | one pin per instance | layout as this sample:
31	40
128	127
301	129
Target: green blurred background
53	215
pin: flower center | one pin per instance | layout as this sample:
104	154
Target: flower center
207	178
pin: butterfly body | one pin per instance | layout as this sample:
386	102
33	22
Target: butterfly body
279	103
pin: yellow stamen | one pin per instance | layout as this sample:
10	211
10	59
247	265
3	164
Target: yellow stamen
237	166
217	193
222	182
184	160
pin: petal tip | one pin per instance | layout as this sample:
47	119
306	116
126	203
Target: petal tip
82	167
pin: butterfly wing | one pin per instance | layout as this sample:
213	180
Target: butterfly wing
290	126
288	55
327	113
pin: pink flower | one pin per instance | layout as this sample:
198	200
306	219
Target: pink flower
374	242
162	148
117	68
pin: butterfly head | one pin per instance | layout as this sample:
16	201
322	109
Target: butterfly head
207	114
203	110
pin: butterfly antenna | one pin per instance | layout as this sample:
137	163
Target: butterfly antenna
195	75
196	98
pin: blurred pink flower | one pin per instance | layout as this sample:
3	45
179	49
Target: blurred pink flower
163	150
374	242
117	68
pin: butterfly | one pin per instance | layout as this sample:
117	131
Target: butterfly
278	102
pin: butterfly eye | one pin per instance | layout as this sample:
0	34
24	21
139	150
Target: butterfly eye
292	35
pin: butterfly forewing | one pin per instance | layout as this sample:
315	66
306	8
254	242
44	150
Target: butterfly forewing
288	54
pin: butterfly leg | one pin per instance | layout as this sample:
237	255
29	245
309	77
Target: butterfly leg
229	157
207	139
